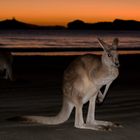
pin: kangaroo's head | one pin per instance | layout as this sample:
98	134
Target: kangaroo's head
110	55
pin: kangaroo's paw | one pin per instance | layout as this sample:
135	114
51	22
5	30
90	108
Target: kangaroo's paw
117	125
100	100
107	123
93	127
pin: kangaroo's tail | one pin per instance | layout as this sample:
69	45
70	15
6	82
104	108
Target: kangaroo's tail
58	119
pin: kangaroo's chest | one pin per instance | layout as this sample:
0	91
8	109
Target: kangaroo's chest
106	78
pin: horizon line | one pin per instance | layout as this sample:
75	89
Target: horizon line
14	18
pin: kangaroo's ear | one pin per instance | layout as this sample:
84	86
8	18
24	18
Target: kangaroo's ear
103	44
115	43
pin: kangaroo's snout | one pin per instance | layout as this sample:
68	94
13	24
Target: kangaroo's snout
117	64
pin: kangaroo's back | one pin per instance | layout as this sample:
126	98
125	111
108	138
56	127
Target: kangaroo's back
83	64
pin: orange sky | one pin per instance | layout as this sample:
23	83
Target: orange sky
51	12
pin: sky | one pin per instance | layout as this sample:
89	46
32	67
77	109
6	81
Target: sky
60	12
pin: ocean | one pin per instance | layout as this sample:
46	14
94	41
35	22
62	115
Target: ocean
66	39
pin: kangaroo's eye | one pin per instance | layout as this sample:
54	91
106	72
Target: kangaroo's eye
109	55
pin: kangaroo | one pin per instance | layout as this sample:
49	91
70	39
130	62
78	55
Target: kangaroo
6	65
82	82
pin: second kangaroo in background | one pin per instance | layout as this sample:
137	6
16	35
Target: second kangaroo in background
82	82
6	61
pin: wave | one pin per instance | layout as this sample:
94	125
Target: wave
2	44
65	39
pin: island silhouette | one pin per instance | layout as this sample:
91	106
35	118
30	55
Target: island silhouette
16	24
117	24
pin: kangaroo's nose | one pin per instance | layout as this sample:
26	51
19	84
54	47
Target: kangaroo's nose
117	64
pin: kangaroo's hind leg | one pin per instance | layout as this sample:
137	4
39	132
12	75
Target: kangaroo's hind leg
79	121
103	125
91	122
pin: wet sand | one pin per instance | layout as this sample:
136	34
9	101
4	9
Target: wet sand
37	91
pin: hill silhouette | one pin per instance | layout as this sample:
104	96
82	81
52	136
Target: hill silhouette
15	24
117	24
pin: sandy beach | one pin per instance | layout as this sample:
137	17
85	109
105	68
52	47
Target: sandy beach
37	91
